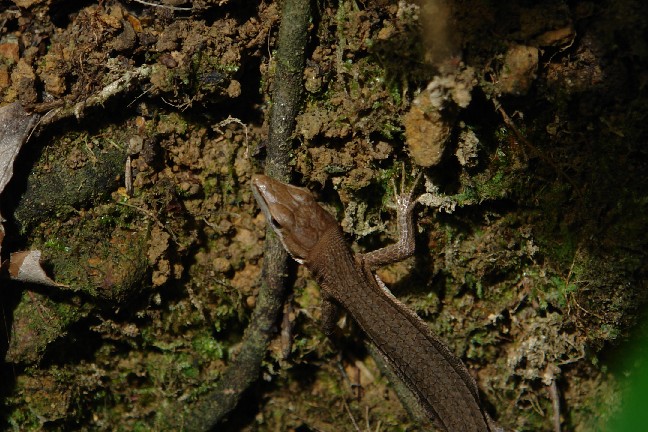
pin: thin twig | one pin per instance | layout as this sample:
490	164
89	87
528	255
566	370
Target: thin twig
177	8
555	404
120	85
231	119
348	410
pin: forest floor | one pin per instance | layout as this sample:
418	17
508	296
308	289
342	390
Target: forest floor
532	253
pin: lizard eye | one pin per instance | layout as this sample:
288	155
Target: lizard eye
274	222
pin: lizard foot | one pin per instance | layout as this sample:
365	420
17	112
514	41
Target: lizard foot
404	199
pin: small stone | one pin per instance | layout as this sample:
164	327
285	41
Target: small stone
5	80
312	80
557	37
26	4
23	80
185	185
519	70
382	150
126	40
221	265
10	51
135	144
467	148
54	83
193	190
386	32
426	134
234	89
429	122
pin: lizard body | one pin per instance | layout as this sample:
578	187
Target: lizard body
440	381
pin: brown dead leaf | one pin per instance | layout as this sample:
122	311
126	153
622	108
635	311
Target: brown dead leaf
15	126
25	267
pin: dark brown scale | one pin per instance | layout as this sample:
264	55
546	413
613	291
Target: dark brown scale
437	377
440	381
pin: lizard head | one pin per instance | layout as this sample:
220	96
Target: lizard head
293	214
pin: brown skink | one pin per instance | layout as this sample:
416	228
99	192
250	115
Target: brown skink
440	381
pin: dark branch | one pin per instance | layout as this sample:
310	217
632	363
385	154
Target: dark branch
244	368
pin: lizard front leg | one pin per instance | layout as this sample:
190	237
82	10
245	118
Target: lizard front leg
404	247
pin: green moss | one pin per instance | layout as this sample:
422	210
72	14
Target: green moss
105	261
391	130
173	123
38	321
56	245
208	347
69	176
210	186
